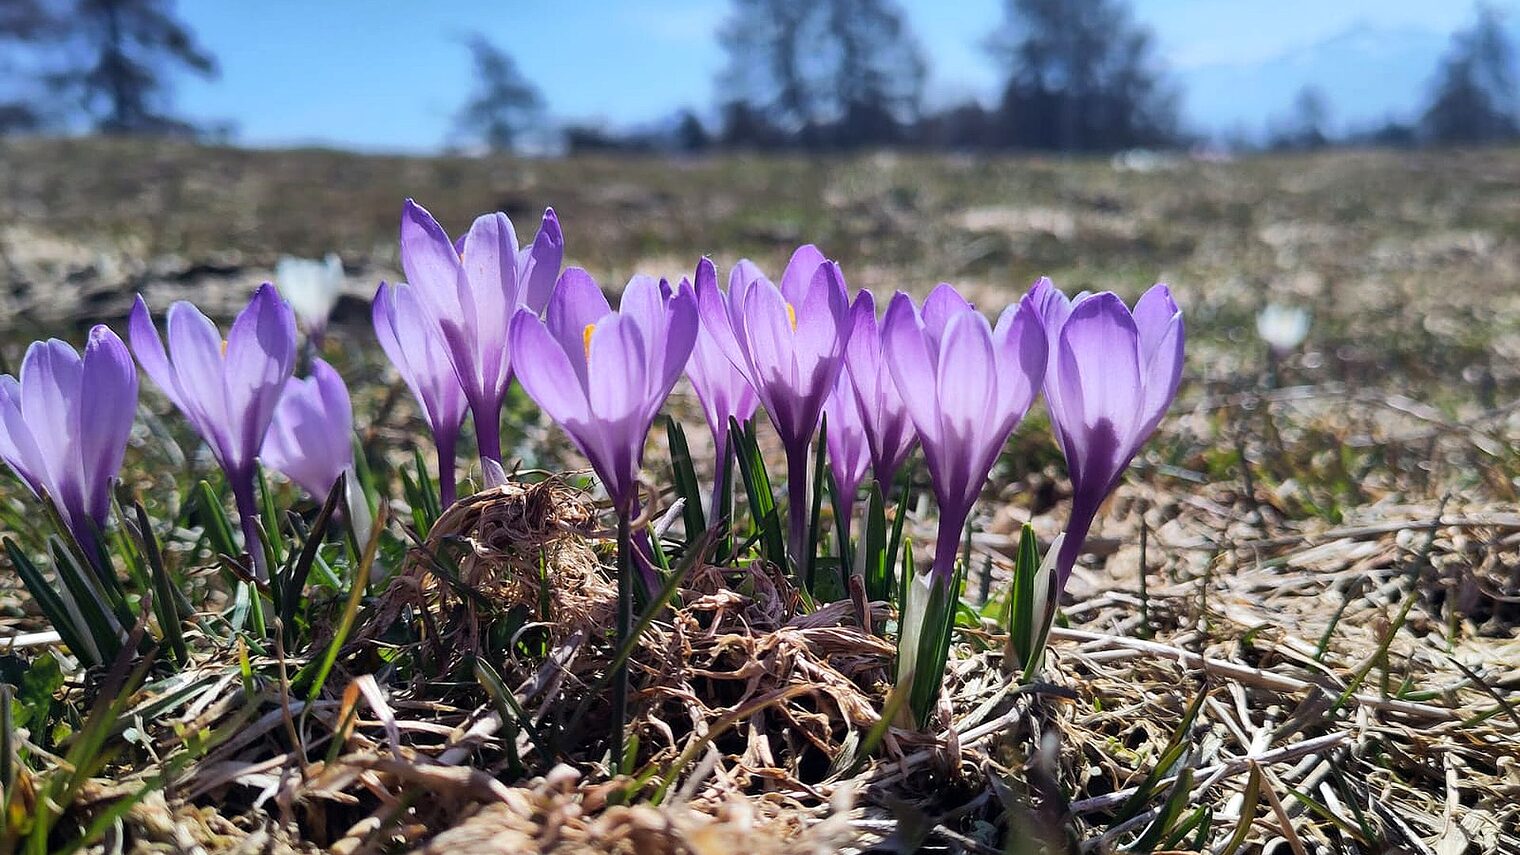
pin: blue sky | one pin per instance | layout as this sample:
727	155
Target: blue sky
388	75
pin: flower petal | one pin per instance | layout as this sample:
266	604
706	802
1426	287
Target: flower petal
538	264
546	371
913	365
797	279
942	304
577	302
17	447
108	406
150	353
261	356
50	376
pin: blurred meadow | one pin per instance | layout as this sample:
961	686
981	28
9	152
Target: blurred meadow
1292	629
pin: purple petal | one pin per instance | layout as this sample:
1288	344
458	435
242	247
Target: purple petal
416	350
430	261
261	355
913	365
1050	304
768	330
942	304
1021	352
966	381
108	393
744	272
490	267
538	264
50	382
797	279
1154	313
681	332
17	447
618	363
717	318
545	370
150	353
577	303
1100	386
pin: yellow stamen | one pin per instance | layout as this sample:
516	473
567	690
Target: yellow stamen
224	347
791	315
586	339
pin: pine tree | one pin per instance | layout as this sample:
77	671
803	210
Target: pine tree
132	46
504	104
1473	98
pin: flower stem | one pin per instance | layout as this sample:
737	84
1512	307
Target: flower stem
488	431
797	512
624	627
248	516
947	545
446	482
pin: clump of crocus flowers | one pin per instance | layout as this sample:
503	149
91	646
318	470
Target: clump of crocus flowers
940	375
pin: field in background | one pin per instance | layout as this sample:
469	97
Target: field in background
1287	521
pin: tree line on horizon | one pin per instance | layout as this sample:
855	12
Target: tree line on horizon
1078	76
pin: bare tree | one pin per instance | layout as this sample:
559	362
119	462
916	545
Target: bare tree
503	103
1308	124
824	72
1080	76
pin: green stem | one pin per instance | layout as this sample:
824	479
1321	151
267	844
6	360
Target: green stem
624	627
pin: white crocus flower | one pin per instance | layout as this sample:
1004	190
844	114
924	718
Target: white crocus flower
311	287
1283	328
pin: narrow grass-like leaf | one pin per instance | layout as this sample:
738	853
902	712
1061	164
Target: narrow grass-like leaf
841	533
934	646
317	671
684	476
269	521
508	708
1021	600
218	526
1361	673
1251	796
295	580
1161	826
64	618
904	487
104	628
762	500
875	569
1175	749
165	592
820	471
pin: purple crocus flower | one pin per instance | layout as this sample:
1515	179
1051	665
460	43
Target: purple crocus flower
888	429
849	450
1111	377
721	387
310	440
64	427
470	291
416	350
227	389
966	384
789	342
603	375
